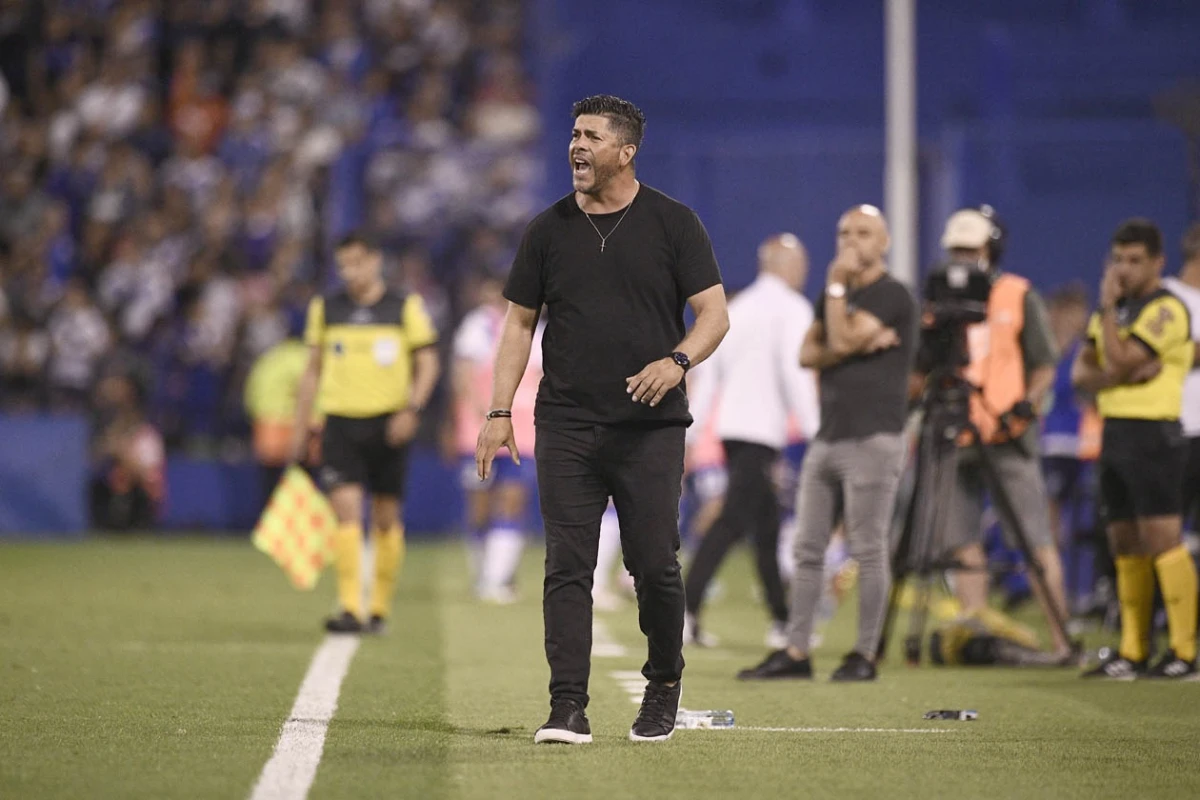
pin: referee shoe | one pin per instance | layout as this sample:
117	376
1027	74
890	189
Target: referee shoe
1116	668
344	622
567	725
1172	667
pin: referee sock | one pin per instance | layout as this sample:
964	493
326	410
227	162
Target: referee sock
348	550
389	556
1135	591
1177	579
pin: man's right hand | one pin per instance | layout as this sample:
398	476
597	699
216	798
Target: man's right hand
496	433
844	267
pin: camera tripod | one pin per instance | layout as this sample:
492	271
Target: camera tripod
946	416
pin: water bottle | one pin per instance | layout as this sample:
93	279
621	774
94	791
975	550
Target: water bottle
955	714
703	719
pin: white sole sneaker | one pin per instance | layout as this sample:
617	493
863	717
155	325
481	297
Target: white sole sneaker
633	737
560	736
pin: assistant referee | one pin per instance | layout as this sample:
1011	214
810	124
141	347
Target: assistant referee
372	358
1137	355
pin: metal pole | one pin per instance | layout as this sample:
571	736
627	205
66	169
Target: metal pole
900	178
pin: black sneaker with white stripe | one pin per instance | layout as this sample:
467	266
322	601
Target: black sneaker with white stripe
567	725
1172	667
1116	668
656	720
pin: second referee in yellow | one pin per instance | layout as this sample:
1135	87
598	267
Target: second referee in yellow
1138	353
372	368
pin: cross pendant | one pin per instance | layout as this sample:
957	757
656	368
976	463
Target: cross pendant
601	247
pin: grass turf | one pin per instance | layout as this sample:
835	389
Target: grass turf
165	669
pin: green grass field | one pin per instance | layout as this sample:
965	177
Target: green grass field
164	669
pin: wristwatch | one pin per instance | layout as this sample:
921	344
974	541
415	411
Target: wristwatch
682	360
836	290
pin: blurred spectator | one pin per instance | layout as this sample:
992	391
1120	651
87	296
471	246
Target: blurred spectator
175	172
129	482
24	351
270	401
79	338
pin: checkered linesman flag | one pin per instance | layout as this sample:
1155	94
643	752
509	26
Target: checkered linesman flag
296	529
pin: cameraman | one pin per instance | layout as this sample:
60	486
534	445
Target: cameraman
1011	362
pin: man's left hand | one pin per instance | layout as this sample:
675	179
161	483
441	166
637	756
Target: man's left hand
654	381
402	427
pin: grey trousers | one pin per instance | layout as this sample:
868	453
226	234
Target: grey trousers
854	480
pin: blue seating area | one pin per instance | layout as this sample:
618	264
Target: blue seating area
769	115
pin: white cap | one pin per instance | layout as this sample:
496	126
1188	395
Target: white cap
967	229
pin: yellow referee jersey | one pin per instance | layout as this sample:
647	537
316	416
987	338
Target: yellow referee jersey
1161	322
367	366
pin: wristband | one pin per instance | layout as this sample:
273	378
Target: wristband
499	413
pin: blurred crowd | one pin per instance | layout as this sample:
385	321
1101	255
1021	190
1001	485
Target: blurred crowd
176	172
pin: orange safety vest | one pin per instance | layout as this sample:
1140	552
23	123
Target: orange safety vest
997	365
1091	428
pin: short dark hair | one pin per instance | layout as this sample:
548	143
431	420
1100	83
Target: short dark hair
626	119
1140	230
361	238
1191	242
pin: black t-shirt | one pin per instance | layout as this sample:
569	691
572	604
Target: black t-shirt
868	394
610	313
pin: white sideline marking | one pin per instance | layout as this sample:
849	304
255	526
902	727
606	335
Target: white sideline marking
840	730
633	683
289	774
603	644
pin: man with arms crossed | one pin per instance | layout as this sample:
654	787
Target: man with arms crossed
614	263
862	344
1138	354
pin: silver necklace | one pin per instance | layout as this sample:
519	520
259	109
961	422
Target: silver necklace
604	238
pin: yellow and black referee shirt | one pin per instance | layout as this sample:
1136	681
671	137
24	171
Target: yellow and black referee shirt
367	366
1161	322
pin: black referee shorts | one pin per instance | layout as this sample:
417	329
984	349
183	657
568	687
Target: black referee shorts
1141	469
355	451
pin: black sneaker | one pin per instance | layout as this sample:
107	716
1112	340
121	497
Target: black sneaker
376	625
1172	667
344	623
567	725
1116	668
778	665
656	720
855	667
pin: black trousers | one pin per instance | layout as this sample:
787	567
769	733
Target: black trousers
578	469
751	509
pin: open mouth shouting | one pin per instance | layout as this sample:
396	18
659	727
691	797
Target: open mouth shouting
581	167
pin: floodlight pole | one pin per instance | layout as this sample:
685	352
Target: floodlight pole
900	168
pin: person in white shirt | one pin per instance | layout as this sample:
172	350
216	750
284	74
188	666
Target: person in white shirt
757	385
1186	286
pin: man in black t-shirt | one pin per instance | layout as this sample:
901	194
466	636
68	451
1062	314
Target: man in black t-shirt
862	342
614	263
